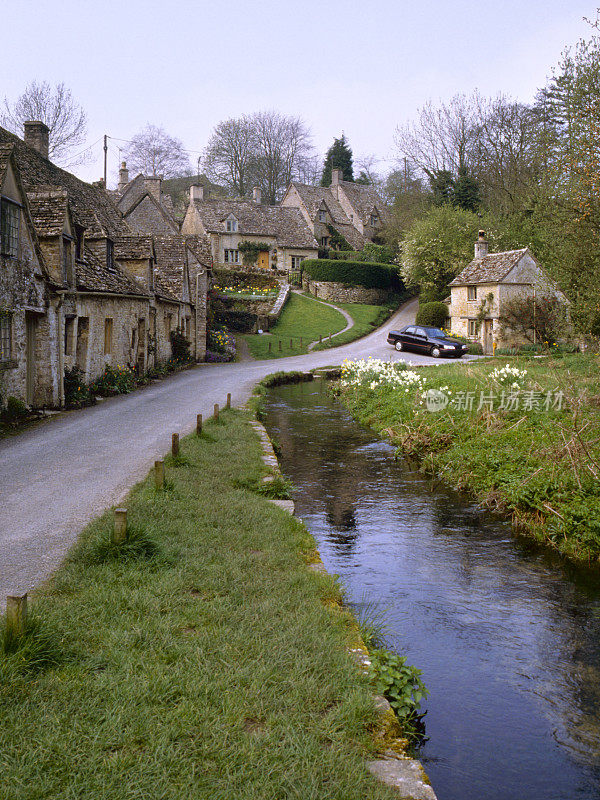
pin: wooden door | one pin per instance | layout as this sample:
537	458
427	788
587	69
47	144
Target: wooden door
141	346
488	336
263	259
30	336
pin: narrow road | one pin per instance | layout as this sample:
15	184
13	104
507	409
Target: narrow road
61	474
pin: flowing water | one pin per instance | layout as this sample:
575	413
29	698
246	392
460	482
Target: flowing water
508	640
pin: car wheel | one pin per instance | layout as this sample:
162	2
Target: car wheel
435	352
399	346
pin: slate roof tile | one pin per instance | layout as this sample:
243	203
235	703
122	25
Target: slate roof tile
94	275
492	268
49	208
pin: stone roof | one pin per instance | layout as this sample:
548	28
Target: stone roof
171	258
133	248
286	225
90	205
492	268
313	198
94	275
200	246
5	151
363	199
49	207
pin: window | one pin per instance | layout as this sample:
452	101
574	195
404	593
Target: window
232	256
69	330
110	254
471	293
322	216
297	261
5	336
67	260
78	243
472	328
10	214
231	225
373	219
108	332
324	241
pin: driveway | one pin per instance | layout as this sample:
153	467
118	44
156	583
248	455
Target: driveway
61	474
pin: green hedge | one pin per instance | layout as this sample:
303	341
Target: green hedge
354	273
375	253
434	314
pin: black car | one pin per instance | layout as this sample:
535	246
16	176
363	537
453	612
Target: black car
429	341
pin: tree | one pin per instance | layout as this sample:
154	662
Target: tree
153	152
466	192
442	186
538	319
339	156
230	155
55	107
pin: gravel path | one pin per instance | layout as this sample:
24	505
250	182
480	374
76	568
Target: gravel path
59	475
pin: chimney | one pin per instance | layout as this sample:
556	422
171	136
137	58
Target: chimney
196	192
123	177
257	195
337	176
37	135
152	185
481	246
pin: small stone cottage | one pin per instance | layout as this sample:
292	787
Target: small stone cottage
481	291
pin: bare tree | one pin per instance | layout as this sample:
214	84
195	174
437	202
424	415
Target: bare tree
153	152
55	107
230	155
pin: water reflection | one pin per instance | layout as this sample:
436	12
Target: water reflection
509	641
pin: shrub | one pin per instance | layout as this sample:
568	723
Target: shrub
114	380
354	273
220	346
77	392
434	314
14	412
180	347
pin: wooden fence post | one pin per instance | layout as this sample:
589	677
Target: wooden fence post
16	615
175	445
119	533
199	424
159	474
320	338
228	403
329	338
280	345
270	346
216	412
300	341
291	344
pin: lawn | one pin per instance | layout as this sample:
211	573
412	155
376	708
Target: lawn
366	319
200	662
302	317
532	457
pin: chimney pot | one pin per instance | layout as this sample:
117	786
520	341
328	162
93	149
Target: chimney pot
257	195
337	176
123	177
196	192
481	246
37	135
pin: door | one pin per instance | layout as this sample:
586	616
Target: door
30	336
141	346
263	259
488	336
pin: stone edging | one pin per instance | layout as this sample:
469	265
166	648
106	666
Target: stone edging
394	769
275	312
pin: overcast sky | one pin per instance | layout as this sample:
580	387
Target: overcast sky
341	65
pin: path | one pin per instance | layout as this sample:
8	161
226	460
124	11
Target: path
345	314
59	475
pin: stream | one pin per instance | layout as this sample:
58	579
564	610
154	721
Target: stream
507	637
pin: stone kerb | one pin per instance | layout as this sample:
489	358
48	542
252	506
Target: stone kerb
344	293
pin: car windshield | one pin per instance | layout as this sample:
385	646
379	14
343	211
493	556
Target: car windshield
436	333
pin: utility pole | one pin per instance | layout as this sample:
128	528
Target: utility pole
105	154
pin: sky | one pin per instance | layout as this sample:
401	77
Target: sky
341	65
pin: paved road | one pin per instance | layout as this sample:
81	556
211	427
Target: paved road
62	473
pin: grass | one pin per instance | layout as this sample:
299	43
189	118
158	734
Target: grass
366	319
540	467
301	317
204	663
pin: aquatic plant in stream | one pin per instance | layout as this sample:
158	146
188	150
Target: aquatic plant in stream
401	685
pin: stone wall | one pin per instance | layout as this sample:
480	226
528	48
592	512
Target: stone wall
147	218
342	293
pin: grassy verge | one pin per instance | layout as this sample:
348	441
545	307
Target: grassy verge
366	319
300	318
539	465
200	662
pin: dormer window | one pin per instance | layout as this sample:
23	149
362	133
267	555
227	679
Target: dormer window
110	254
10	215
78	243
231	225
373	219
67	260
322	216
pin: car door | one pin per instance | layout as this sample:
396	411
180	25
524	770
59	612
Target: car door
421	344
408	338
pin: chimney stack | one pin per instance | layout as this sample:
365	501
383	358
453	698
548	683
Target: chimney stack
37	135
123	177
196	192
257	195
152	185
337	176
481	246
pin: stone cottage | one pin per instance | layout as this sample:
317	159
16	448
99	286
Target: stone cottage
281	234
104	293
480	292
356	212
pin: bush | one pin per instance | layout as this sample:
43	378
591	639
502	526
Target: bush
114	380
220	346
14	412
434	314
180	347
77	392
354	273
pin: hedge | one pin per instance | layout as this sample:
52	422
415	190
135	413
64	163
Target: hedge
434	314
354	273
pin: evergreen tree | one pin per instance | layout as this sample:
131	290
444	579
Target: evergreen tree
442	186
466	194
339	156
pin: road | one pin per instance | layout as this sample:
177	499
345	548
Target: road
59	475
